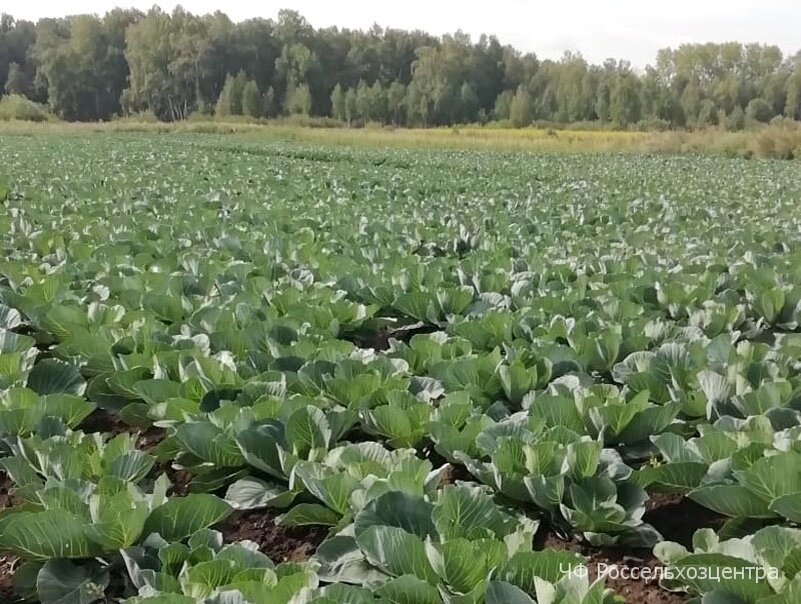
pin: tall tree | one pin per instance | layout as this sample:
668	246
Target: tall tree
17	40
173	64
338	103
16	82
396	94
351	106
252	105
624	99
298	100
521	111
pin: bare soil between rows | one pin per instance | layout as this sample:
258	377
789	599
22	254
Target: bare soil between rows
279	543
8	562
674	516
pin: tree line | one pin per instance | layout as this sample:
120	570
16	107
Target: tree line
173	65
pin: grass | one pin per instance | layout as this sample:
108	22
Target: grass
470	137
781	141
502	139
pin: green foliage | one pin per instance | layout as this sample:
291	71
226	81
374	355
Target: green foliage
521	109
231	98
708	114
173	65
313	344
624	100
17	107
269	106
736	119
773	550
252	102
298	100
503	105
338	109
15	82
759	111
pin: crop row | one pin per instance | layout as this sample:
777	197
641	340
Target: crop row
334	336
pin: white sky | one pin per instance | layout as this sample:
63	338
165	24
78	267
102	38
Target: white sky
630	29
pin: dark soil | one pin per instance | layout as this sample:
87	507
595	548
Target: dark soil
379	340
677	518
101	420
633	591
406	333
7	563
674	516
7	566
454	473
151	438
180	479
6	491
280	544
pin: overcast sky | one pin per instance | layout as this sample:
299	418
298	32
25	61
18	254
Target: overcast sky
630	29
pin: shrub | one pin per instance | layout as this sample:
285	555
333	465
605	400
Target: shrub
521	111
308	121
759	110
17	107
777	142
653	124
199	116
708	114
735	120
139	117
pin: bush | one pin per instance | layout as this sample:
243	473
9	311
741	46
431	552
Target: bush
17	107
735	120
707	115
200	116
759	110
777	142
653	124
308	121
581	126
521	110
501	124
139	117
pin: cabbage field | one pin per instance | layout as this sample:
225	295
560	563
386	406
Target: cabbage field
236	371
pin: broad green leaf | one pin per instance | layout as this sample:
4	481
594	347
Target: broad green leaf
117	520
165	307
471	513
252	493
549	565
397	509
409	589
788	506
208	442
48	534
731	500
55	377
501	592
182	516
672	477
306	429
260	444
396	552
308	514
63	582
